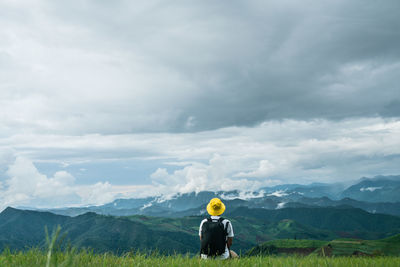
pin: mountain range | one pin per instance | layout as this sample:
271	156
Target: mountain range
21	229
368	209
375	195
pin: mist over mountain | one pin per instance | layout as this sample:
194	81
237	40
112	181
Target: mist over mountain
375	195
378	189
170	224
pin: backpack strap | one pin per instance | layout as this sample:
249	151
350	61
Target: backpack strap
226	228
226	234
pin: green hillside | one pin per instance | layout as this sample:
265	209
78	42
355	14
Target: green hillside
344	222
248	231
20	229
350	247
339	247
24	229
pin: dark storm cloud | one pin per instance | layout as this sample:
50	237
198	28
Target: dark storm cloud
197	65
266	60
110	83
330	62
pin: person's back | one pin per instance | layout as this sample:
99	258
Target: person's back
216	233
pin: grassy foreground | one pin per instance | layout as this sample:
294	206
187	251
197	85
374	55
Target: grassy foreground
35	257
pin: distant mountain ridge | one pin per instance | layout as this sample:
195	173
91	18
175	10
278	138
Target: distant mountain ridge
375	195
380	188
171	224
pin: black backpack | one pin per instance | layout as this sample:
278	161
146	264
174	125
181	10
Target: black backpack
213	237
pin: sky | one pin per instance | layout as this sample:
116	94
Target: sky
116	99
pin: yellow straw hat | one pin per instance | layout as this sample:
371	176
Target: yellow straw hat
215	207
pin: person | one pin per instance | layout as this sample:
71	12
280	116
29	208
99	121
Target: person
216	233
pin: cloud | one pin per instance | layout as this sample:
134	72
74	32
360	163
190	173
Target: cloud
80	69
99	193
318	150
214	176
265	169
244	158
203	92
26	186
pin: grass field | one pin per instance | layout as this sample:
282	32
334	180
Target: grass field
54	255
35	257
334	248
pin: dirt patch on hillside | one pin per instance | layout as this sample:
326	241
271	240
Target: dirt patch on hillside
297	251
346	242
326	251
360	254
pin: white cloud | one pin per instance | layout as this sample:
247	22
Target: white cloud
281	205
160	176
225	159
289	150
371	189
213	176
99	193
265	169
7	155
244	195
279	193
26	186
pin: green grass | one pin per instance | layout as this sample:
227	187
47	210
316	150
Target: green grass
35	257
346	247
292	243
339	247
54	255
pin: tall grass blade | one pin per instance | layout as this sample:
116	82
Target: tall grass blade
50	243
